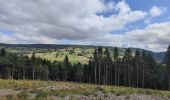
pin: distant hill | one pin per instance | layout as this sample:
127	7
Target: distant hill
157	55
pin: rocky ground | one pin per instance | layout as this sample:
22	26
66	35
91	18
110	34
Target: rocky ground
110	96
96	96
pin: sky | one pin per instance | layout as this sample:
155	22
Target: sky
120	23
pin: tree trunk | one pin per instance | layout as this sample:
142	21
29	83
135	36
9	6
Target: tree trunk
111	76
33	73
106	73
115	74
95	73
137	77
23	72
143	76
128	74
169	82
125	75
118	75
99	73
12	74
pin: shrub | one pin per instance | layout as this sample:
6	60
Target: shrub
22	96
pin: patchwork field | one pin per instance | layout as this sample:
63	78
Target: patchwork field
52	90
75	55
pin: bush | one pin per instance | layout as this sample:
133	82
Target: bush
23	96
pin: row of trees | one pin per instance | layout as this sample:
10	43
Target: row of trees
139	70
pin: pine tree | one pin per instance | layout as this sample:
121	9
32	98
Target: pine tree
167	63
127	64
33	59
150	64
66	66
107	65
115	60
79	72
89	72
3	52
137	63
143	68
100	57
95	64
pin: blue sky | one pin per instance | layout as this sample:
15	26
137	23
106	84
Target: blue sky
122	23
145	5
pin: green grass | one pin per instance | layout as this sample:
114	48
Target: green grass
50	54
36	90
61	53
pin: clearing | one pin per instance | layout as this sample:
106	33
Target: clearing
52	90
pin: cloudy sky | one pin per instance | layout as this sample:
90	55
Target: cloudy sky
122	23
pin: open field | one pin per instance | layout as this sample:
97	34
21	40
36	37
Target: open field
52	90
75	55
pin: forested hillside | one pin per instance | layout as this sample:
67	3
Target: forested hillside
104	68
76	53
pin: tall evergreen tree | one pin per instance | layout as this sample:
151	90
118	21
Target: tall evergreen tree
66	67
100	58
137	59
150	66
127	64
107	60
143	68
33	60
79	72
115	60
167	63
3	52
95	60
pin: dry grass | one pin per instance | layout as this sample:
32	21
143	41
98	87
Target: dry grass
39	90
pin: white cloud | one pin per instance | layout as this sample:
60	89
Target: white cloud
157	11
64	19
155	37
54	21
34	38
123	8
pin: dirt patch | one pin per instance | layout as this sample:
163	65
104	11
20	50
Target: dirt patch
5	92
109	96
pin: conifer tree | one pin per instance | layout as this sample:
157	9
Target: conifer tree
143	68
3	52
127	65
33	59
95	65
66	67
100	57
167	63
115	61
137	64
107	65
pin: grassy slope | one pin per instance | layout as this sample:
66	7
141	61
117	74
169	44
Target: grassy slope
25	48
86	53
73	57
46	90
